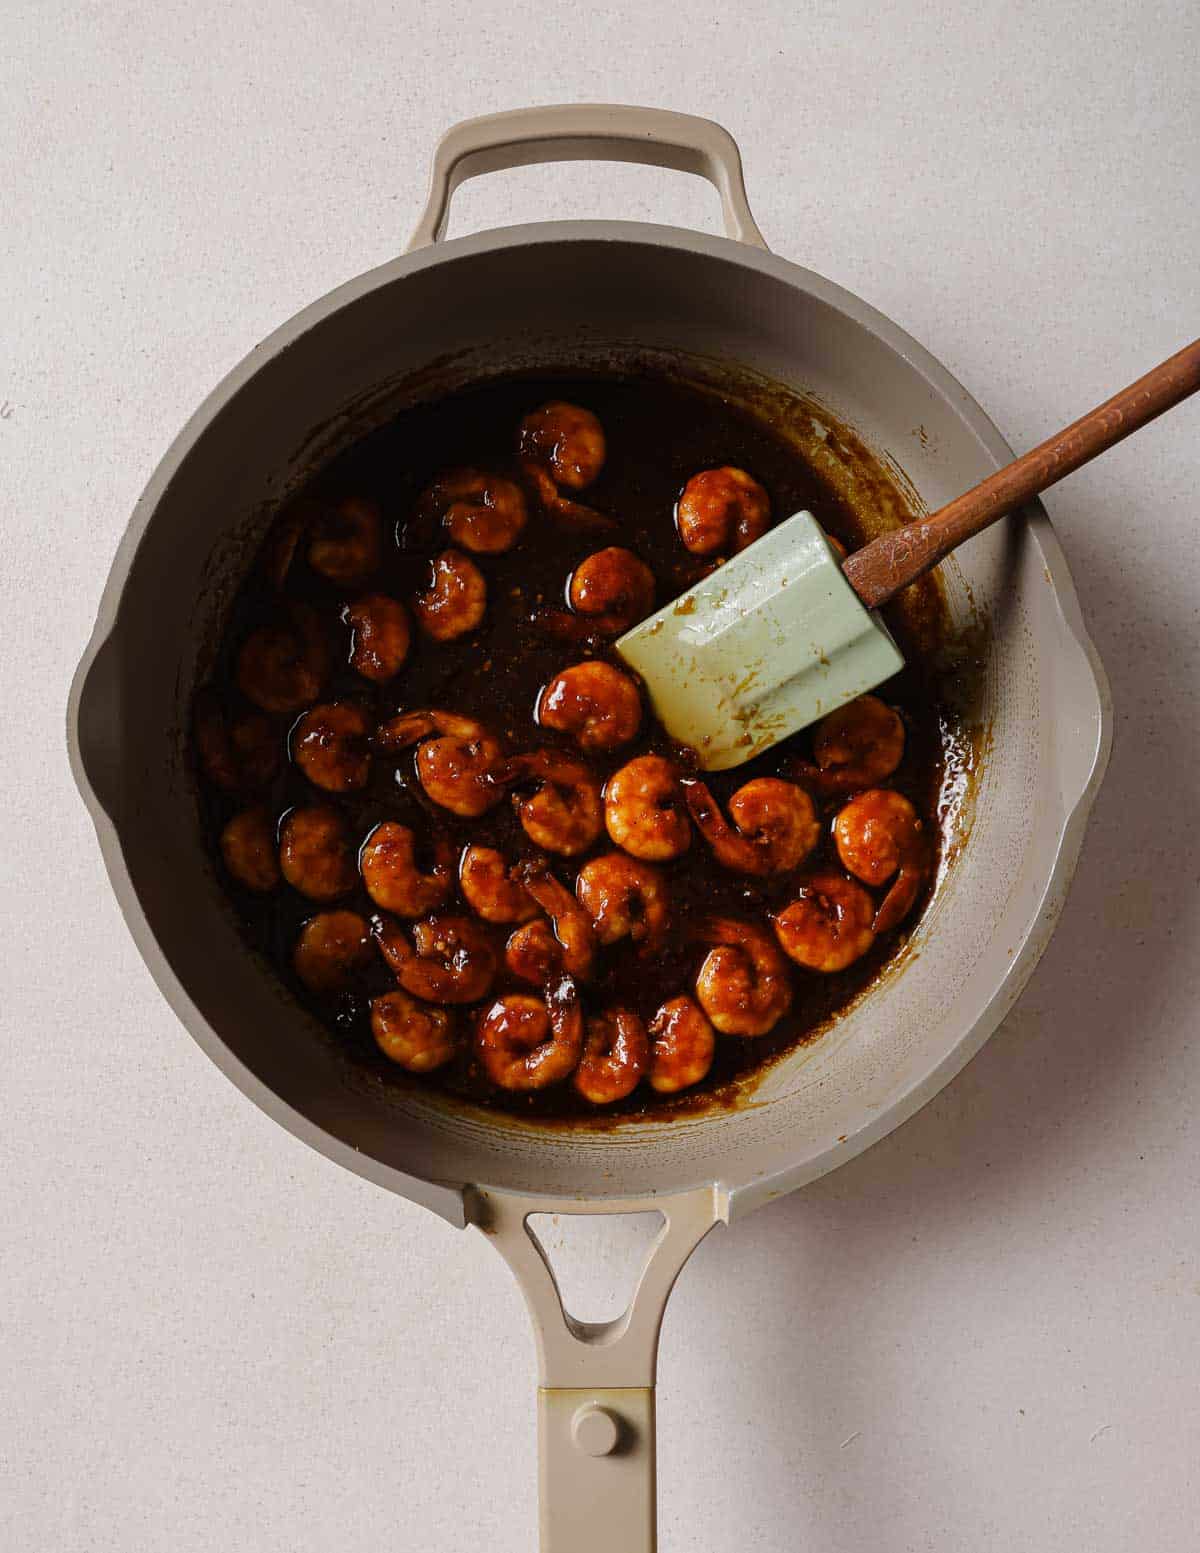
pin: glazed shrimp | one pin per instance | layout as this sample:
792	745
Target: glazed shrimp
829	924
743	986
450	959
316	854
379	636
239	753
282	668
683	1046
408	728
609	591
248	850
346	544
570	514
616	1052
565	813
330	745
387	862
774	825
880	836
565	440
455	601
596	703
459	773
624	899
858	746
572	925
614	587
493	889
410	1033
333	947
457	770
644	810
534	954
283	539
528	1043
721	511
481	512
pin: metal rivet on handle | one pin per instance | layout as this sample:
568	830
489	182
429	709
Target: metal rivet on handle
594	1430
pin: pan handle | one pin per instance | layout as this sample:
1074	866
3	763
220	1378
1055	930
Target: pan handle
575	132
596	1448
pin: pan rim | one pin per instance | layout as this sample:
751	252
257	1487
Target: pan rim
443	1197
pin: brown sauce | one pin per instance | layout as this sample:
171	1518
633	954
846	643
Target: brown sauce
658	434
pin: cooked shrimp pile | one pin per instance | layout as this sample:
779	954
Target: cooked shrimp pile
440	796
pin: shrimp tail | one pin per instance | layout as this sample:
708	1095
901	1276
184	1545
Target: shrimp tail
900	899
734	851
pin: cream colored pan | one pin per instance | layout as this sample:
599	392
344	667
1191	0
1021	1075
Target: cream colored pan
567	294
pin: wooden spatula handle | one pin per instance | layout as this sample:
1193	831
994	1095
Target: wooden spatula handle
879	570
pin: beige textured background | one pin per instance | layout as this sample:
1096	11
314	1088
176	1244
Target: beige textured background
983	1334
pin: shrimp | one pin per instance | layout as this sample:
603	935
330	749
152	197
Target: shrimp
857	746
379	636
457	770
683	1046
333	947
774	825
565	814
616	1052
316	853
410	1033
829	924
286	532
624	899
608	592
248	850
593	701
346	545
571	514
721	510
450	959
564	439
459	773
481	512
644	812
345	540
613	586
387	862
534	954
528	1043
493	889
330	744
283	667
572	925
743	986
880	836
455	601
239	753
408	728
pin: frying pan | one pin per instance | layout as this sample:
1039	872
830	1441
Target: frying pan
572	293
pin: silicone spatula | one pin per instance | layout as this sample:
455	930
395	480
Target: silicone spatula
786	630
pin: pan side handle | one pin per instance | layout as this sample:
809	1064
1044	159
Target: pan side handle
596	1445
595	132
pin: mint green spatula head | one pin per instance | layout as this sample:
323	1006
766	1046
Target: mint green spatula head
770	642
